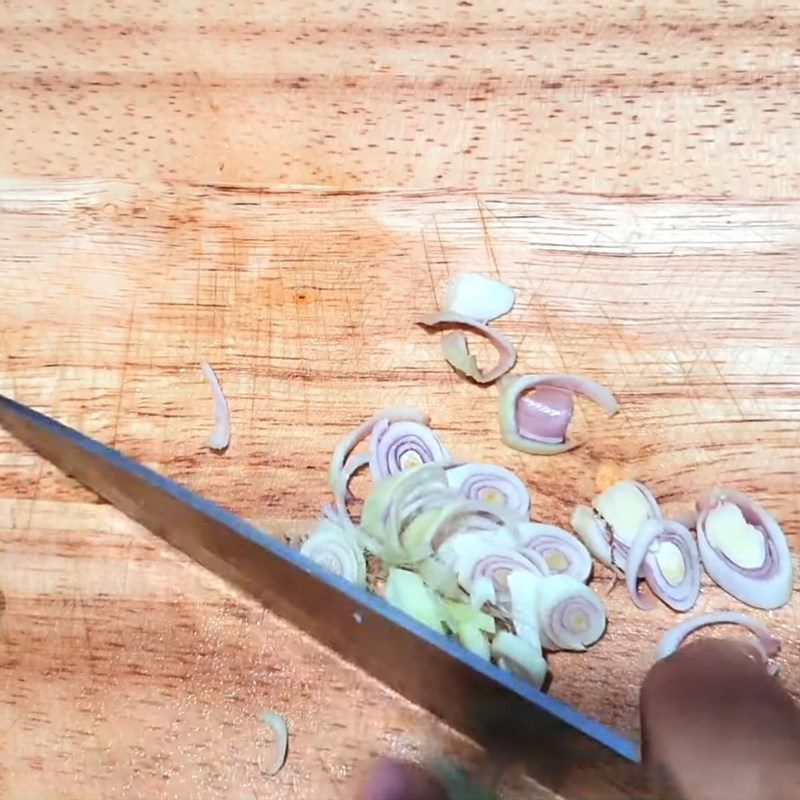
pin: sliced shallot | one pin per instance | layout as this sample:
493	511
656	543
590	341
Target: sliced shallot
535	411
768	645
456	350
665	553
744	550
336	550
220	437
563	552
403	444
280	747
477	297
490	484
619	512
520	656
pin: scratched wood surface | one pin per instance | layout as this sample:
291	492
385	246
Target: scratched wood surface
129	671
680	96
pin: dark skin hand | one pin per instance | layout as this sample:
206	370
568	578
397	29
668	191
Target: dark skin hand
715	724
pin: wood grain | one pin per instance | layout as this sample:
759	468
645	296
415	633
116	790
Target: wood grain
679	97
132	671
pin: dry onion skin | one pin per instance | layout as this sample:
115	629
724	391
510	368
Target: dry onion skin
490	484
666	554
280	747
743	549
336	550
220	436
767	645
535	411
456	350
563	553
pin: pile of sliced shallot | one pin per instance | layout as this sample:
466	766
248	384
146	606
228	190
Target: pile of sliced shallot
462	554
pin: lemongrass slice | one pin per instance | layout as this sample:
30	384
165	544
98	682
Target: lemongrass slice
403	444
593	532
666	554
336	551
349	443
457	614
535	411
571	616
456	351
474	640
407	591
767	644
521	657
482	592
744	550
477	297
220	437
490	484
563	552
280	746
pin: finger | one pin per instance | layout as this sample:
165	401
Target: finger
716	724
389	779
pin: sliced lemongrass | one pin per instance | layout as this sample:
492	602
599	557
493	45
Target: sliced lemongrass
456	350
665	554
407	591
626	506
768	645
474	640
463	614
220	436
280	747
403	444
521	657
524	590
482	592
478	297
490	484
570	615
335	549
729	527
440	578
563	552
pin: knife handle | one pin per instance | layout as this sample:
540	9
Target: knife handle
715	724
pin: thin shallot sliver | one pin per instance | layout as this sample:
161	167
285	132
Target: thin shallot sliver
280	747
767	644
220	437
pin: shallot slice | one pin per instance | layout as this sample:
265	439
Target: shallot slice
477	297
563	552
280	747
768	645
744	550
536	421
456	350
491	484
667	555
220	437
403	444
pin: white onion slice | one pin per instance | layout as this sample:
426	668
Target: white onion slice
456	351
220	437
490	484
726	549
768	645
335	550
478	297
531	441
280	746
520	656
678	588
563	552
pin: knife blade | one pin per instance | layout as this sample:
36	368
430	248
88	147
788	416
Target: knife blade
564	749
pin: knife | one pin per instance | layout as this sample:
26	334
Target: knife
565	750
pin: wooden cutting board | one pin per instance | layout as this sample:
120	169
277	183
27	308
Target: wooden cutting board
128	670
